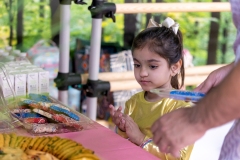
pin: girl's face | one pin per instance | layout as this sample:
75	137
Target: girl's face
151	70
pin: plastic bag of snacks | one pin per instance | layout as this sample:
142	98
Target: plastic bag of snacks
41	114
45	54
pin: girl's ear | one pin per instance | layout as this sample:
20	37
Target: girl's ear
176	68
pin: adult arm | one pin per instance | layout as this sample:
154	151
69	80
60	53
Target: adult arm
222	104
214	78
184	126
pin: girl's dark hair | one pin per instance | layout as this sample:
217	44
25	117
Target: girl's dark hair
167	44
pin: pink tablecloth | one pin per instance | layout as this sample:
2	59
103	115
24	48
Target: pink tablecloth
108	145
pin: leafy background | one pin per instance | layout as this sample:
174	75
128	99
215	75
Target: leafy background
194	26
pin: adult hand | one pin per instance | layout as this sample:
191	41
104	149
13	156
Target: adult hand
214	78
176	130
133	132
117	117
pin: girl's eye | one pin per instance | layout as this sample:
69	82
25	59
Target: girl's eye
136	65
153	67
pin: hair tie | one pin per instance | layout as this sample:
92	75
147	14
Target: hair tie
168	22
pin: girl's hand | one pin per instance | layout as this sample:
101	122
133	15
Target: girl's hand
117	117
133	132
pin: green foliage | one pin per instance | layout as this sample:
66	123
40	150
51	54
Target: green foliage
81	22
195	29
113	31
4	24
35	26
226	22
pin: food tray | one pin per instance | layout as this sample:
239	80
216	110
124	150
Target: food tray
52	126
10	119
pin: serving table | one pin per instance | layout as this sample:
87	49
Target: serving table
106	144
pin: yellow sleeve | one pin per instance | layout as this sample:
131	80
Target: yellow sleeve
150	147
153	149
126	109
175	104
121	133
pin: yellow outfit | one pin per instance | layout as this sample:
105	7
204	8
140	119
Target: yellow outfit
145	113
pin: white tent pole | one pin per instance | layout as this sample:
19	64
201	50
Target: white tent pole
95	46
64	44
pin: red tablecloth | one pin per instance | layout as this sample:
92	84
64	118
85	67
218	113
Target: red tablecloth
107	145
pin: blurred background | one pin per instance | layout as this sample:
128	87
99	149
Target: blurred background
208	36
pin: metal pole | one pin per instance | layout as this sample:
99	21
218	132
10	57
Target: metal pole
95	46
64	44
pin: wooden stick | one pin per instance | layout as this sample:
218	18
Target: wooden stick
173	7
123	76
124	85
111	76
194	80
133	84
202	70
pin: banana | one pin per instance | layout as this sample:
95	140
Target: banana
56	139
59	144
24	146
70	152
19	139
52	146
43	143
84	157
85	150
13	140
67	145
32	142
49	147
65	152
43	148
1	140
24	140
6	139
37	143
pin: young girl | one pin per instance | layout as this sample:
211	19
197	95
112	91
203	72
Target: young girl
158	63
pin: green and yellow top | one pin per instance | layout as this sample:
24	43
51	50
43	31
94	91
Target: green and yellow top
145	113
